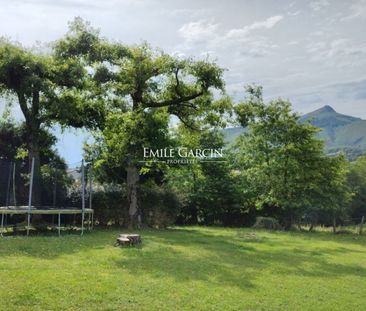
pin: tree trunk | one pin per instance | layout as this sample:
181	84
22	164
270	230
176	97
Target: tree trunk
194	212
311	227
361	225
334	225
132	197
288	222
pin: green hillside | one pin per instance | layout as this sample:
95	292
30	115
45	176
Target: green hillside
340	132
232	133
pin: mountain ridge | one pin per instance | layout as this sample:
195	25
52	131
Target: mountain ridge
340	132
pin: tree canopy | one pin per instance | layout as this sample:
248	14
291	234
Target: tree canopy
283	163
142	88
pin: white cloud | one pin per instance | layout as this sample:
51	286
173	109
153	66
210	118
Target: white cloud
198	31
345	48
315	47
358	9
318	5
338	52
293	42
293	13
317	33
207	54
178	54
257	47
244	42
270	22
292	4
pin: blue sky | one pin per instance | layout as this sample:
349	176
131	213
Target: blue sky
310	52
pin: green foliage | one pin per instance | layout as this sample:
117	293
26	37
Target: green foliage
127	134
55	184
357	183
46	87
142	88
282	163
160	205
78	41
122	140
209	187
54	178
13	143
110	205
10	139
267	223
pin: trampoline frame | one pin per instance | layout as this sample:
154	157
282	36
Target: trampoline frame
44	210
30	210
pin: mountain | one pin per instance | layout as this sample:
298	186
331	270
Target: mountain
231	133
340	132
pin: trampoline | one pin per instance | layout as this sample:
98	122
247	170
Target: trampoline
87	214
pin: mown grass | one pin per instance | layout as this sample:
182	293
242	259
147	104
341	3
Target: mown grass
185	268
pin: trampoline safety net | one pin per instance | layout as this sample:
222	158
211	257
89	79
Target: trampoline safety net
59	197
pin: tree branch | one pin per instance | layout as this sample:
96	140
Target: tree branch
177	84
23	105
172	102
35	103
189	105
186	123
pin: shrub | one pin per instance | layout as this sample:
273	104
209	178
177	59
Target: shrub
267	223
160	205
110	206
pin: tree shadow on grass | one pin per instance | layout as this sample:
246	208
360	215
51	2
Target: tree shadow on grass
189	256
331	237
232	257
50	246
232	261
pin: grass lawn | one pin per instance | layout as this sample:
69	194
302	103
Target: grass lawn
185	268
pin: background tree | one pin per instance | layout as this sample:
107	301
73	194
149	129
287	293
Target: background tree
357	182
331	192
13	147
186	178
208	186
283	162
11	139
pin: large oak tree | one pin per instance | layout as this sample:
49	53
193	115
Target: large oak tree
153	86
142	88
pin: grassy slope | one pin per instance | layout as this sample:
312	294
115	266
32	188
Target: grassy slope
185	269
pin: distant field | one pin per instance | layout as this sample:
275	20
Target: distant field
185	268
